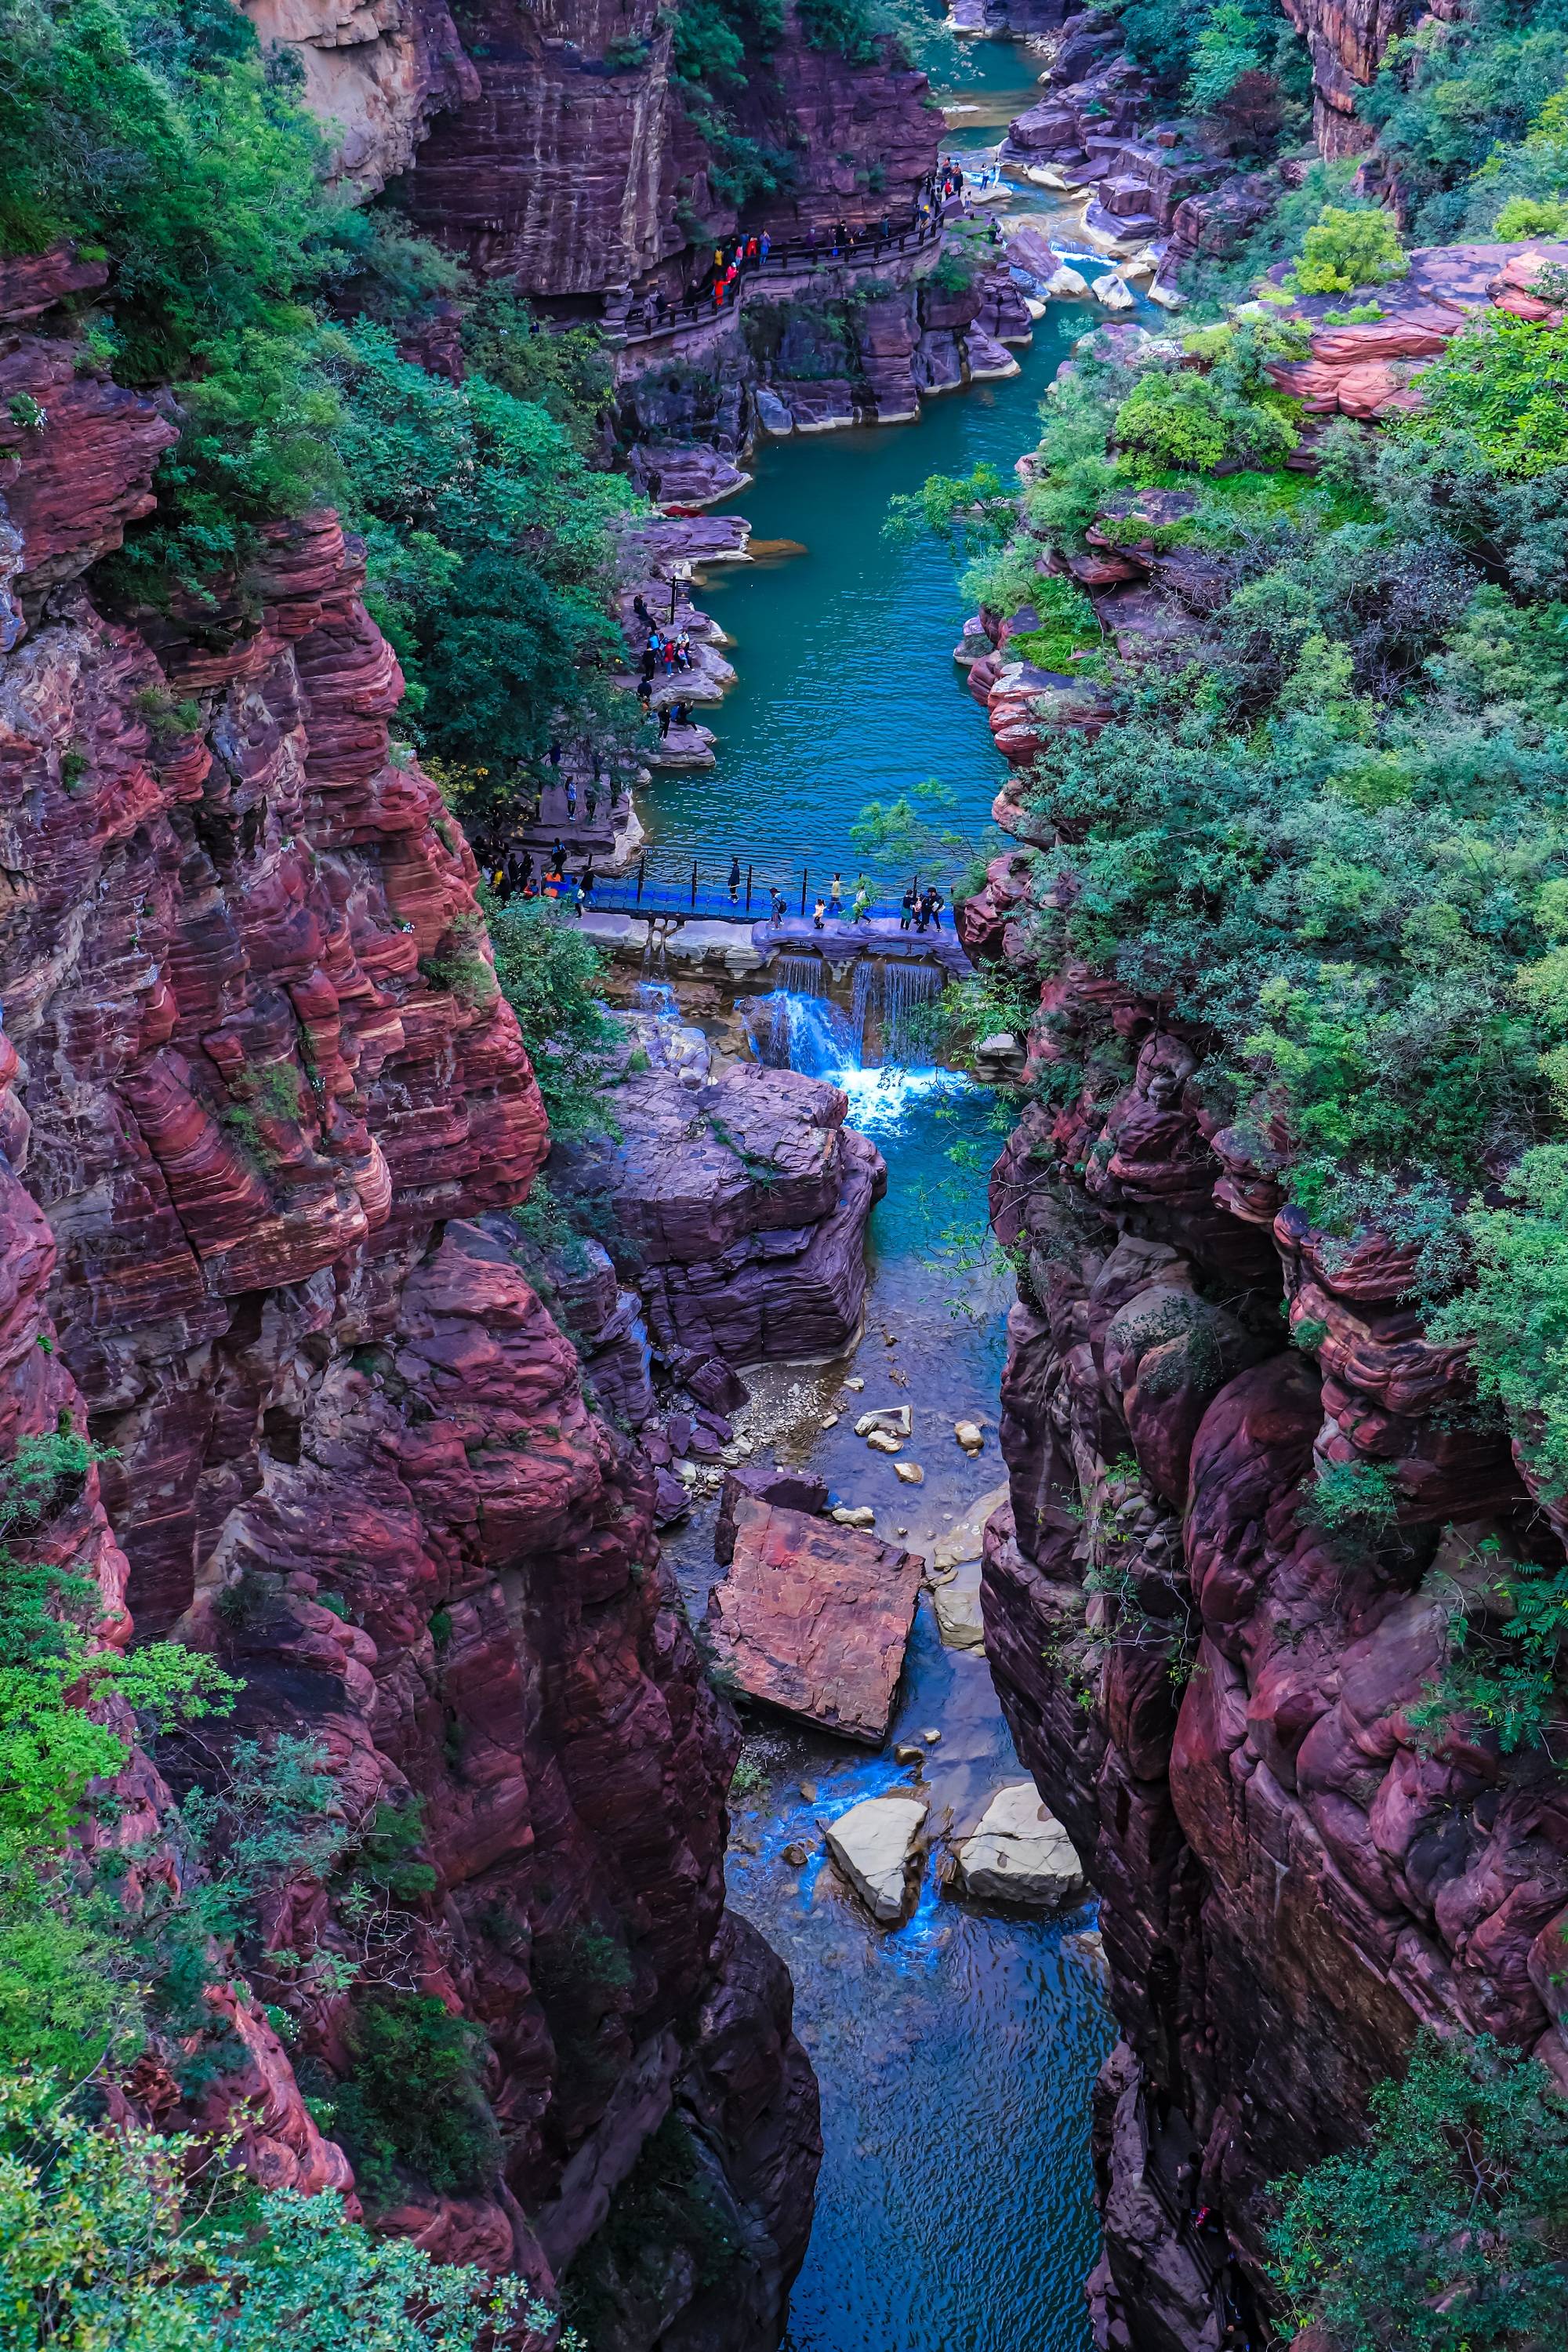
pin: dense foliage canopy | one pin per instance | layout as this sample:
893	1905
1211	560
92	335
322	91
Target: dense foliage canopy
154	132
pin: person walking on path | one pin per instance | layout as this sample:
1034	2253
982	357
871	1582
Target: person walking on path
663	720
906	910
835	892
734	880
817	914
860	911
776	895
764	245
937	903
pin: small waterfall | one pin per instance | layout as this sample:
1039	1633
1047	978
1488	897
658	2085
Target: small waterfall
802	976
799	1027
906	987
792	1032
657	997
865	985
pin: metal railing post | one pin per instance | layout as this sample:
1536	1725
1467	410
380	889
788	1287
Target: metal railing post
803	889
748	889
694	885
642	874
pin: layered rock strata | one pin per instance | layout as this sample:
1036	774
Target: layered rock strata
376	73
555	147
1211	1688
809	356
274	1111
812	1618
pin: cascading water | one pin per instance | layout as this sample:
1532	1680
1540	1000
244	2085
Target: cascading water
657	997
905	988
790	1032
797	1028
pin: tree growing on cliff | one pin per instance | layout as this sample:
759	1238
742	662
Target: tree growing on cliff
1448	2230
124	2238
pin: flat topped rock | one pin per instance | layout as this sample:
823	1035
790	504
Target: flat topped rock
814	1617
1019	1853
875	1843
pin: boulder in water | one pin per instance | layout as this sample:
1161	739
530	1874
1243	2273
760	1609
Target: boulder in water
958	1617
1019	1853
891	1420
877	1844
759	1482
814	1618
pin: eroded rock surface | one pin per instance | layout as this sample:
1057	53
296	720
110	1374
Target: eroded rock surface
1290	1879
877	1844
268	1115
814	1618
1019	1853
738	1204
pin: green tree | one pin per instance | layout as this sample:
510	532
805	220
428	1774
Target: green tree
1448	2230
550	975
124	2239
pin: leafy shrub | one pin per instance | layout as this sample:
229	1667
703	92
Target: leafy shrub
1342	1498
1191	421
1464	114
1525	216
549	973
414	2097
122	2237
1449	2232
1345	249
848	27
1499	385
952	273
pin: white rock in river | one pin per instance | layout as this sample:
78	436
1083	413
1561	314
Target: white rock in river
958	1617
1112	292
1066	283
875	1843
1020	1853
887	1421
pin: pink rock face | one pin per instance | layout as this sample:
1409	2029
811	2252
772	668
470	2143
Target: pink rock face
740	1209
262	1139
572	169
812	1618
1290	1882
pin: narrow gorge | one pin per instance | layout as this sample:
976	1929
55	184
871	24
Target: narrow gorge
785	1476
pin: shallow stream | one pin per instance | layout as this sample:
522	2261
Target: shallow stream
956	2052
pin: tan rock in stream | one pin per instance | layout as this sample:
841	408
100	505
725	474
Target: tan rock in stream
887	1421
1019	1853
877	1845
880	1441
958	1617
970	1435
966	1538
910	1472
814	1618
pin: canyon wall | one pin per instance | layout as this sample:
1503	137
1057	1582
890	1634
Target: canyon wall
1212	1687
268	1114
551	146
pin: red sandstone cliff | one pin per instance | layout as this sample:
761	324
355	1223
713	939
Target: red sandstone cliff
551	146
1211	1691
267	1138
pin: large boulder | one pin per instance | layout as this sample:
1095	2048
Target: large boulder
763	1482
814	1617
877	1844
1019	1853
738	1207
